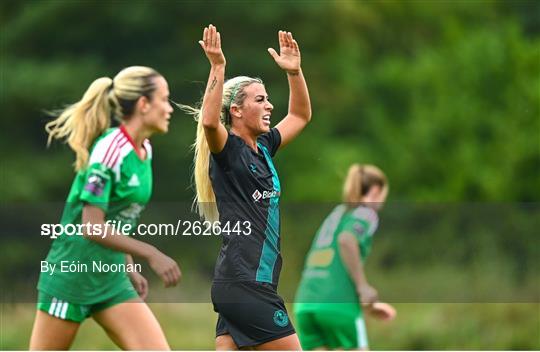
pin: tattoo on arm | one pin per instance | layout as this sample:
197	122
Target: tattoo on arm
213	84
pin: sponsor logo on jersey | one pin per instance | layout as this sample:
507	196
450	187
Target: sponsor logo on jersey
280	318
134	181
257	195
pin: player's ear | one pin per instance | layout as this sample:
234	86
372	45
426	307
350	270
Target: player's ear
235	111
142	105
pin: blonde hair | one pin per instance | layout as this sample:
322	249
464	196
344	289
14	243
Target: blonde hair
360	178
205	198
82	122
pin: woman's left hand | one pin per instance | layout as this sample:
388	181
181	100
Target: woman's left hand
140	284
289	53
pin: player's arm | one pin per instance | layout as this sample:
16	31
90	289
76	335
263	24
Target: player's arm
163	265
299	113
215	132
351	258
139	282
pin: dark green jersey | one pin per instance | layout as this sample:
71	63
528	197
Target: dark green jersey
118	181
325	280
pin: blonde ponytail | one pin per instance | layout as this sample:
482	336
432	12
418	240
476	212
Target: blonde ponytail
205	197
359	180
81	123
352	189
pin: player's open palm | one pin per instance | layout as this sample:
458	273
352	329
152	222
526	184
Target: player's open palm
289	53
211	44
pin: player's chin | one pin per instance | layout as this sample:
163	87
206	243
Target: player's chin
163	128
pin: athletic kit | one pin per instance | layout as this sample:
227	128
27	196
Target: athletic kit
327	306
120	183
244	289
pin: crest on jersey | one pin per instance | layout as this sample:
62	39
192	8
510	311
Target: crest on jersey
95	184
253	167
359	228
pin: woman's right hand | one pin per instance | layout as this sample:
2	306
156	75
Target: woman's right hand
165	267
211	45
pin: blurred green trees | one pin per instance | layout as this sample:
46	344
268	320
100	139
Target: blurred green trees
442	95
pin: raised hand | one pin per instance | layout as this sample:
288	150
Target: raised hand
211	44
289	53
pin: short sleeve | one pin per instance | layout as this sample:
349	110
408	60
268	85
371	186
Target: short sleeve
271	140
224	157
357	227
97	188
361	222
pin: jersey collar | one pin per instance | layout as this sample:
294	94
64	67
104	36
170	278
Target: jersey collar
137	151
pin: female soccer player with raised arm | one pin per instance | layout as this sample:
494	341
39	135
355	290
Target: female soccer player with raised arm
334	290
113	182
234	170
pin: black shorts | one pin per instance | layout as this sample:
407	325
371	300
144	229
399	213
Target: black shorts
251	312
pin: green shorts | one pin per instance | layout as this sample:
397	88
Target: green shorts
331	330
78	312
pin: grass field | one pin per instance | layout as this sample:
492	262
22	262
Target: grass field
190	326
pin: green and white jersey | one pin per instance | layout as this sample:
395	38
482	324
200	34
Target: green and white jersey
325	282
118	181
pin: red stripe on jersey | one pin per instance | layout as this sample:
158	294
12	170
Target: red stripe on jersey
110	148
113	150
116	154
124	131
